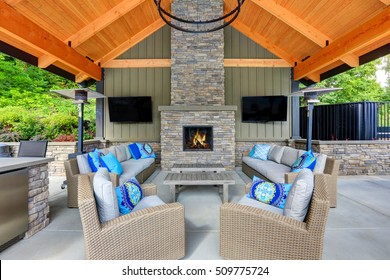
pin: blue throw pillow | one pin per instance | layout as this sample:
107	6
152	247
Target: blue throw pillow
134	151
146	150
93	159
274	194
128	195
260	151
111	163
307	160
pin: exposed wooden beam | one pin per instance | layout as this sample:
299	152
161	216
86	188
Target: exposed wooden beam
13	2
138	63
94	27
302	27
365	34
166	62
150	29
231	62
22	29
386	2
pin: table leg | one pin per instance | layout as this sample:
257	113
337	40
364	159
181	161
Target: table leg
225	193
173	192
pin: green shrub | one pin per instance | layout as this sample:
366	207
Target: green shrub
58	124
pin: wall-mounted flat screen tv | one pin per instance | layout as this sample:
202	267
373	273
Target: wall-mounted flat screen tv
264	108
130	109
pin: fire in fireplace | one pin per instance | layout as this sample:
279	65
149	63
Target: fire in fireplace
197	138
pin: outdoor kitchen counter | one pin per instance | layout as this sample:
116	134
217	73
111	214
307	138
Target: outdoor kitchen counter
24	197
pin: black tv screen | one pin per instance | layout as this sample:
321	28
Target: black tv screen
264	108
130	109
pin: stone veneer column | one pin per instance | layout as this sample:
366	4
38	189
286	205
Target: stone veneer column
38	199
197	71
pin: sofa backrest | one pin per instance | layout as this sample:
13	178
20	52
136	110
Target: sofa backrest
289	156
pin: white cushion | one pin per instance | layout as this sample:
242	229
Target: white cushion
297	202
257	204
147	202
121	154
320	163
107	203
82	162
251	162
289	156
276	153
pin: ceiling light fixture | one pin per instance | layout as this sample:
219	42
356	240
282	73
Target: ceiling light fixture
199	26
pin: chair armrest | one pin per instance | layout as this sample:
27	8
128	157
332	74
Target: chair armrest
245	153
332	166
248	187
149	189
290	177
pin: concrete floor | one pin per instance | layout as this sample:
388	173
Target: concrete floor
358	229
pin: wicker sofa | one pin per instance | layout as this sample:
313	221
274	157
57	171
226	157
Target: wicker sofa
141	169
277	169
149	234
252	233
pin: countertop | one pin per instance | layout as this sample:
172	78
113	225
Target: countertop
10	163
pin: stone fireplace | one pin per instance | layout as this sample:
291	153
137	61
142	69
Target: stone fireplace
197	91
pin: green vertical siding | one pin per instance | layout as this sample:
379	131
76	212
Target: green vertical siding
154	82
247	81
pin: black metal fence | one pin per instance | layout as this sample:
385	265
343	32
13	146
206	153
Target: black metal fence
349	121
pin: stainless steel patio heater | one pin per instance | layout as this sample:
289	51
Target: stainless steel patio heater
80	97
310	95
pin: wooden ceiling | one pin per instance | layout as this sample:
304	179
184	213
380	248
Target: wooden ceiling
319	38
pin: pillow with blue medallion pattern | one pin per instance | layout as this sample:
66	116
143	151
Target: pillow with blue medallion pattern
93	159
111	163
128	195
260	151
274	194
146	150
307	160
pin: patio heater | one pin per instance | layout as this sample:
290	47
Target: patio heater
80	97
310	95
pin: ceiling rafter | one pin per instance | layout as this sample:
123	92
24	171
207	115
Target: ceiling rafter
94	27
13	3
24	30
386	2
369	32
150	29
302	27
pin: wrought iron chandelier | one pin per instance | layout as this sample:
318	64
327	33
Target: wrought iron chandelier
193	25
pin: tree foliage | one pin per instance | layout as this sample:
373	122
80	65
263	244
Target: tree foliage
358	84
28	110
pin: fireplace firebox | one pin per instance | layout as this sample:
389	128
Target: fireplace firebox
197	138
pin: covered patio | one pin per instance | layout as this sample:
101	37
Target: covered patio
126	49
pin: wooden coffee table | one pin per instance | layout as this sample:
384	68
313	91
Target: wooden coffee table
198	167
200	178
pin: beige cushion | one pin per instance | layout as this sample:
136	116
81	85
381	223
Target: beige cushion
320	163
276	153
257	204
104	191
82	162
297	202
121	154
147	202
289	156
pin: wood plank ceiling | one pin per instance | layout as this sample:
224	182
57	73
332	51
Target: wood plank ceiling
316	37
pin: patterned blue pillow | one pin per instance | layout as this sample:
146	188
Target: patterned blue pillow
111	163
274	194
134	151
260	151
307	160
146	150
128	195
93	159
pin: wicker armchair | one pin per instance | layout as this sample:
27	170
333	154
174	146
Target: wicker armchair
151	233
251	233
